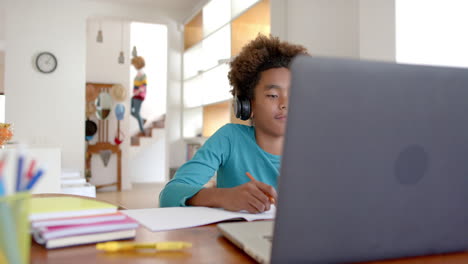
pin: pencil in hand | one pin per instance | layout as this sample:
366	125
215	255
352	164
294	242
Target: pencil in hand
272	200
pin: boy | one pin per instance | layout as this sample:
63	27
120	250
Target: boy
260	78
139	91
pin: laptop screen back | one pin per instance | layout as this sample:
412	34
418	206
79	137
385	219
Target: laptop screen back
375	162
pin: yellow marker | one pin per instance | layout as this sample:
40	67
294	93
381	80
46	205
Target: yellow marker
119	246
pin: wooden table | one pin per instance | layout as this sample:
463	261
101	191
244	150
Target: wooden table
208	247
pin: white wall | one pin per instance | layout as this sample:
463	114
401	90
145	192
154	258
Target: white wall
337	28
325	27
2	108
101	58
2	25
377	30
2	74
48	110
2	52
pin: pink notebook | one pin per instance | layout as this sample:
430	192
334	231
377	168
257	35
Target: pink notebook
50	232
88	219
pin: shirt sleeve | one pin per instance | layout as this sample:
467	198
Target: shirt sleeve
190	178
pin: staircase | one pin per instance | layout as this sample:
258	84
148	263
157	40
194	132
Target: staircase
135	139
147	154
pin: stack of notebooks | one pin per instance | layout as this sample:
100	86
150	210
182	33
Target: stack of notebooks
68	221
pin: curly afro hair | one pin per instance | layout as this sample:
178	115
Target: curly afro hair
261	54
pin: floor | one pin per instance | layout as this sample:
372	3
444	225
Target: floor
142	195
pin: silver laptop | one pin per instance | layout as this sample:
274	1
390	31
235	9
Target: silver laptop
375	165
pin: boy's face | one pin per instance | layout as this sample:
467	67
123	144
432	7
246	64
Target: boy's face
270	103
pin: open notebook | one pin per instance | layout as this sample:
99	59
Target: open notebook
160	219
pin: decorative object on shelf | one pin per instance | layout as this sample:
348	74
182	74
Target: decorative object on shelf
103	105
119	114
6	133
91	93
134	52
46	62
90	109
119	138
119	111
121	59
118	93
99	37
91	129
105	156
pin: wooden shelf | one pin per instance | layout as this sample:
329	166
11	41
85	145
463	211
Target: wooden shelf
193	32
217	115
247	26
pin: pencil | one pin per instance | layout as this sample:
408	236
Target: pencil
250	176
272	200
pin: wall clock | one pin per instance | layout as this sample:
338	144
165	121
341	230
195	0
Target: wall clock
46	62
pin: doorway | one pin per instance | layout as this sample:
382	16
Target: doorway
108	41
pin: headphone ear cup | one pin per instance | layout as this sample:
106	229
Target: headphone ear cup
245	115
236	107
241	108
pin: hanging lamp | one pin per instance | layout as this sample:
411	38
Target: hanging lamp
99	37
121	59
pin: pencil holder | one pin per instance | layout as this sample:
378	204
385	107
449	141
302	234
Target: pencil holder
15	241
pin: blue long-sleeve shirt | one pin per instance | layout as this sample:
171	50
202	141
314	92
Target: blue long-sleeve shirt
231	151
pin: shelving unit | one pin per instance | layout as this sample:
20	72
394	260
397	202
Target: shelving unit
212	38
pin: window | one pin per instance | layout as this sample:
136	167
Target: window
432	32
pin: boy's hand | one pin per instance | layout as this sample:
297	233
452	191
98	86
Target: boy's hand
137	91
253	196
